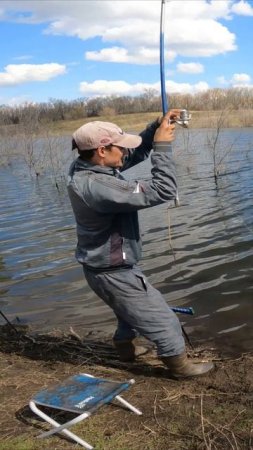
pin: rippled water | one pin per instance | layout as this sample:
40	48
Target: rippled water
199	254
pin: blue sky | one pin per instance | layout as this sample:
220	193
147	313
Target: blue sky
73	49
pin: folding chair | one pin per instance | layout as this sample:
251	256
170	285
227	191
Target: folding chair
81	394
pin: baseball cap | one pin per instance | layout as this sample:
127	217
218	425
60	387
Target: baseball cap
94	134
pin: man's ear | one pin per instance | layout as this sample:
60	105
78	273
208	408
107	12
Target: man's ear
101	151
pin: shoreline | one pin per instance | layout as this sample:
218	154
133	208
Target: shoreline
136	122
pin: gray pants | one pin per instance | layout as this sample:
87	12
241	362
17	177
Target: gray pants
139	308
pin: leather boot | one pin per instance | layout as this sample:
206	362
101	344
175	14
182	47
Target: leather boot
181	367
128	350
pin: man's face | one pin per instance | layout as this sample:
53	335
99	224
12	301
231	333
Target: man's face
114	156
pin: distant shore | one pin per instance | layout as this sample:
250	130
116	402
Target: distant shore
242	118
137	122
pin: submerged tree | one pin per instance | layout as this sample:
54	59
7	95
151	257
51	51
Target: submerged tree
218	149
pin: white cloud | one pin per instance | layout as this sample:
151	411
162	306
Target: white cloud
104	88
237	80
192	27
190	67
140	55
186	88
203	37
240	79
24	73
242	8
113	54
16	101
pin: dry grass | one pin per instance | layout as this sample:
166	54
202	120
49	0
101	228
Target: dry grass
137	122
212	412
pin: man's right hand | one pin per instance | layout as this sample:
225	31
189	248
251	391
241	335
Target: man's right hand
166	131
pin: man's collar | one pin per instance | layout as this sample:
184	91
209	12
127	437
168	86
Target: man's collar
80	164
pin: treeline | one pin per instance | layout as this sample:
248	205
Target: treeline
149	101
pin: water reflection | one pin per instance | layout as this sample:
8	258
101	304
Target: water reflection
199	254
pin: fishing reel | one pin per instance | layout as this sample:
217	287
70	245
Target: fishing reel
183	120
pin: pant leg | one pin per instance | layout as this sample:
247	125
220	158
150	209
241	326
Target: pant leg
124	331
141	306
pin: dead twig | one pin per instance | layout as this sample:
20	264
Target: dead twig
149	429
219	430
176	395
73	333
208	446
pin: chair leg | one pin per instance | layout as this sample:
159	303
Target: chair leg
60	428
128	405
65	426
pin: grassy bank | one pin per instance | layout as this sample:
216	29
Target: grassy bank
137	122
211	412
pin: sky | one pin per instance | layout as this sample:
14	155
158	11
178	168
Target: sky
69	49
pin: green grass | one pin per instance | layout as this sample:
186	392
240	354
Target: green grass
22	443
118	441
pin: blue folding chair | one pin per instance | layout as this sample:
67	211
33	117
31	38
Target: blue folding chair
82	394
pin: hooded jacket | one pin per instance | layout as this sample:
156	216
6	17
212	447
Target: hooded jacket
106	205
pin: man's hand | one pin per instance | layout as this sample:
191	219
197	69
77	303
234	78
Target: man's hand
166	130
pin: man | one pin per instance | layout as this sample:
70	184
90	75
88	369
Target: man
105	206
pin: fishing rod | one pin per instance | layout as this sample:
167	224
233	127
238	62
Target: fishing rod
183	120
165	105
184	310
184	117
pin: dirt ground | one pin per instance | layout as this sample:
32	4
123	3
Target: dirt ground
210	412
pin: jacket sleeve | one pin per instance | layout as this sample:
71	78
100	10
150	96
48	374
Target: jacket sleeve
108	194
135	156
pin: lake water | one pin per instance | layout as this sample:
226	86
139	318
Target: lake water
198	254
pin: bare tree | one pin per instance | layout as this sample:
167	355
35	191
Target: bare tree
55	158
60	110
218	149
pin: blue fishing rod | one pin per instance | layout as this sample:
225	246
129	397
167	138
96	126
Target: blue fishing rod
183	121
184	118
165	105
185	310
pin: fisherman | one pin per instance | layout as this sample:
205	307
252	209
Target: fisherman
106	207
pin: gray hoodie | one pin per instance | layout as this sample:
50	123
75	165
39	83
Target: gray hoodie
106	205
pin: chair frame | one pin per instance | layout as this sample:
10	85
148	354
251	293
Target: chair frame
63	428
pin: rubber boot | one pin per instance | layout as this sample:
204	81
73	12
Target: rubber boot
181	367
128	350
